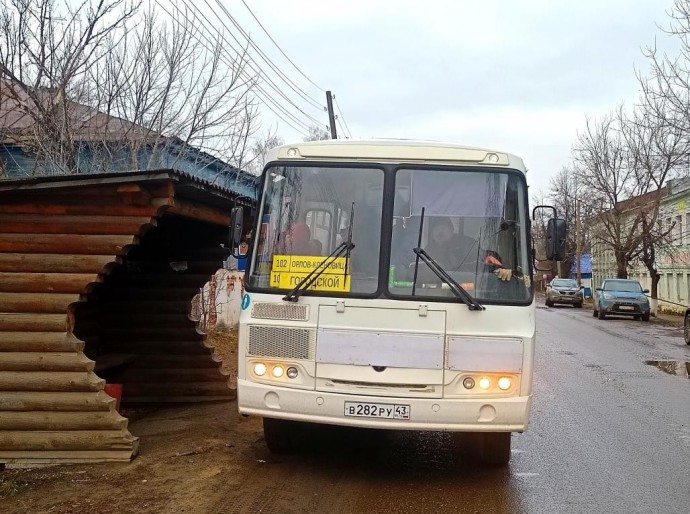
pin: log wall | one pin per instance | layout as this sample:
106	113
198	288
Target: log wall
95	286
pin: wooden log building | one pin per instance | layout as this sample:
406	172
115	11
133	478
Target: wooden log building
96	277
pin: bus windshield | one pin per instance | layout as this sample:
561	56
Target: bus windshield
306	213
475	229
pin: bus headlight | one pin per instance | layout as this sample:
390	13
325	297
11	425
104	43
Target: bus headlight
484	383
260	369
468	383
504	383
278	371
292	372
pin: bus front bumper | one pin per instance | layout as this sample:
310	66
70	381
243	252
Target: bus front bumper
446	414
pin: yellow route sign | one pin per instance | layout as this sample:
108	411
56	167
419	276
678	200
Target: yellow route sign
289	270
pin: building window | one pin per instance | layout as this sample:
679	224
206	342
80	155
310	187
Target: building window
678	230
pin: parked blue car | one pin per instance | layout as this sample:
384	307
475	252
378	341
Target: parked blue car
622	297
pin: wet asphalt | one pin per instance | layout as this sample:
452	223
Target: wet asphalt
609	433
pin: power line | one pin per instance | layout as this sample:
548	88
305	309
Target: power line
342	116
290	83
337	119
258	71
264	96
281	50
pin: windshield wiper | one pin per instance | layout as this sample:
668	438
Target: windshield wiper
436	268
456	288
343	248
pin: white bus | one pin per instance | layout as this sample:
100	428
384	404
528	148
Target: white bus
388	286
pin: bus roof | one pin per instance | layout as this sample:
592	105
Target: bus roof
394	151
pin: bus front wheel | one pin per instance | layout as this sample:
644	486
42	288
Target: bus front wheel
279	435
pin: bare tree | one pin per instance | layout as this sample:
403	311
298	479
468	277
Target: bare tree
148	94
657	148
603	168
666	88
262	144
44	53
317	134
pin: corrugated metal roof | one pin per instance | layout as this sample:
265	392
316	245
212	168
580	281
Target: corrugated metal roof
188	185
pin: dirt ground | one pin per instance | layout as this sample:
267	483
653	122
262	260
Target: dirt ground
184	451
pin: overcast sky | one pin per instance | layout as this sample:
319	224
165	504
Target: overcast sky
518	76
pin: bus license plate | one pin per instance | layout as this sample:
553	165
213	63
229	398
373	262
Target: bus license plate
377	410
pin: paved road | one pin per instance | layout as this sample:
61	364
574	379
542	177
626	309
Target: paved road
610	433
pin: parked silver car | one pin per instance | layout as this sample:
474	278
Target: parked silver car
564	290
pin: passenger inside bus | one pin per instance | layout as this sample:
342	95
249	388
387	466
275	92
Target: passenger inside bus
297	241
452	251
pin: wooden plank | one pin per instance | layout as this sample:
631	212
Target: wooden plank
66	440
33	322
36	302
48	361
198	212
39	342
65	244
50	381
34	459
56	401
103	202
55	263
46	282
16	420
79	209
66	224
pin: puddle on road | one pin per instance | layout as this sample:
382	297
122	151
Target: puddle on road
681	369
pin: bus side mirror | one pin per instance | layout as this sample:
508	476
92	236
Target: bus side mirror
236	224
555	239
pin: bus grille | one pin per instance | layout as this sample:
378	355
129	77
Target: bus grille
284	311
282	343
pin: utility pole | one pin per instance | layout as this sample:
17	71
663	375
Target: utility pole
331	114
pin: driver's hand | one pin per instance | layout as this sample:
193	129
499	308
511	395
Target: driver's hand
503	274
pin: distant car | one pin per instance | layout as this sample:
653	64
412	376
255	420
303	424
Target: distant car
564	290
622	297
686	326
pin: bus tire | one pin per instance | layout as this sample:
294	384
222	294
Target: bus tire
278	434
